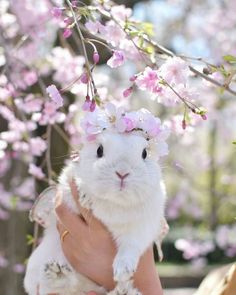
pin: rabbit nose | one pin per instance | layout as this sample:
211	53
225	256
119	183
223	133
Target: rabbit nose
121	176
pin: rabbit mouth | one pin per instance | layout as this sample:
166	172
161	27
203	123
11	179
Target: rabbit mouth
122	185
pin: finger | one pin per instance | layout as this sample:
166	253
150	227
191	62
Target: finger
91	293
61	228
71	221
68	239
86	214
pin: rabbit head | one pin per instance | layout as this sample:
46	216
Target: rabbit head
119	167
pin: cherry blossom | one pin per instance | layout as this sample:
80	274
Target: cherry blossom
56	12
117	59
37	146
94	27
36	171
29	104
148	80
175	70
120	12
55	95
33	55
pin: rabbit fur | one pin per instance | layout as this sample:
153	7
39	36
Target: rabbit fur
132	209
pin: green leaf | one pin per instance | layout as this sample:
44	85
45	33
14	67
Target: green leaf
97	99
149	49
234	142
148	28
30	239
14	201
230	58
140	42
201	111
134	33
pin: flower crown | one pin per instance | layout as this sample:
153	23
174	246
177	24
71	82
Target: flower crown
117	120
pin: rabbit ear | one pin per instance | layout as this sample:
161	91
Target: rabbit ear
43	206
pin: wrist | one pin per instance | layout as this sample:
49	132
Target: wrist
146	278
149	283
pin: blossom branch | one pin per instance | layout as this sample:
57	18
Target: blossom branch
162	50
83	44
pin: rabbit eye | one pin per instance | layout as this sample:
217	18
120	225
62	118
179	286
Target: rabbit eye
144	154
100	151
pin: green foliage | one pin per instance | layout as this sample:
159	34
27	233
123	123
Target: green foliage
30	240
230	59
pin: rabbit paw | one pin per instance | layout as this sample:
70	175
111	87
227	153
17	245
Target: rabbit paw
54	270
124	269
120	289
125	288
56	277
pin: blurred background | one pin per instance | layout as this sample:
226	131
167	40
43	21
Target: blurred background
199	170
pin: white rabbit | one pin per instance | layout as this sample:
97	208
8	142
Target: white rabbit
119	179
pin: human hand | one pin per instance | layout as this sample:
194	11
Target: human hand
90	249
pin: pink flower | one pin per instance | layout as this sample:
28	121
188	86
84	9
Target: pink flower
49	115
30	104
37	146
36	171
128	122
55	95
96	57
94	27
120	12
49	108
148	80
117	59
56	12
67	33
113	33
6	113
175	70
20	146
18	268
30	78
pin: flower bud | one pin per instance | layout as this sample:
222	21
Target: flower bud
92	105
204	116
67	20
86	105
128	92
67	33
133	78
84	78
96	57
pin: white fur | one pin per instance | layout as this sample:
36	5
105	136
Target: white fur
133	214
